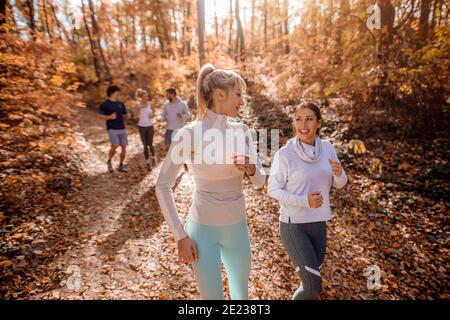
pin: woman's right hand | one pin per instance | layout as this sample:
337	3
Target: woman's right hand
187	252
315	199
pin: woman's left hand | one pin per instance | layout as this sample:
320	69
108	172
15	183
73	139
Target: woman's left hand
242	163
335	167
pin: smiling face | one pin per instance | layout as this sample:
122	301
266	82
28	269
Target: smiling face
305	125
228	102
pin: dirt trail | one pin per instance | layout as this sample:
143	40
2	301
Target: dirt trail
124	250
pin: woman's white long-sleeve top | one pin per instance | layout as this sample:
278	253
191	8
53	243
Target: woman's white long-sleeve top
291	179
206	146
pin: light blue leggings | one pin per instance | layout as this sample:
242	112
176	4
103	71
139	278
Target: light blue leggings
230	244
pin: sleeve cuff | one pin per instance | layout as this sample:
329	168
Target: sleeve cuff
180	234
341	180
303	201
259	178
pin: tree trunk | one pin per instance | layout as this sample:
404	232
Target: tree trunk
286	27
47	27
328	23
240	47
91	42
2	15
9	10
230	29
3	21
120	32
72	36
441	4
133	31
344	11
273	27
122	57
61	29
97	39
166	34
433	16
265	24
144	36
183	29
380	93
280	22
252	24
31	22
175	28
387	30
125	34
201	30
216	24
425	7
187	29
158	34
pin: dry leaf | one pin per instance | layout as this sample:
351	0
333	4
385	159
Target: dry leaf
6	263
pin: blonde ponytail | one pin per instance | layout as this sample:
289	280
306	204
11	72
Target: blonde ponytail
203	92
209	79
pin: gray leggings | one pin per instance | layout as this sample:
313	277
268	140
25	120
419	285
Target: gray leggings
146	134
305	244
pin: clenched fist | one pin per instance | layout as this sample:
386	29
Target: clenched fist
315	199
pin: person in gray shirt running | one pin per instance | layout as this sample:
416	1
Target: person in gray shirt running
175	113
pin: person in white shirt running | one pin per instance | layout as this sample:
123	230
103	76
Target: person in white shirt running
302	173
216	228
146	111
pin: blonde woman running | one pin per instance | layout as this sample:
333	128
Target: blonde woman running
216	228
145	124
